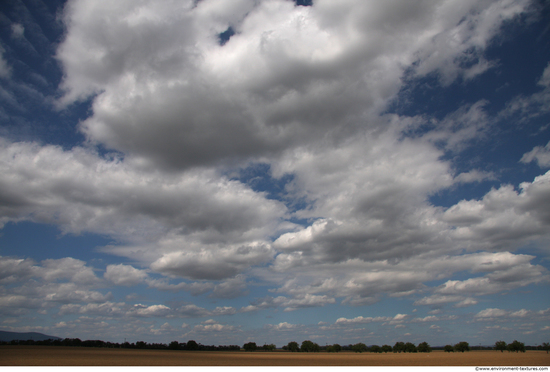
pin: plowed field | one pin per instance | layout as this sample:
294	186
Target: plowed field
74	356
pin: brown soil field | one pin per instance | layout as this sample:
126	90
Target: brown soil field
76	356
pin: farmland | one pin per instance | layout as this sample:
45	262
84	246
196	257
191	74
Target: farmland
79	356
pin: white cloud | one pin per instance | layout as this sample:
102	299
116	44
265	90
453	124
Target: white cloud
457	130
520	313
452	50
231	288
111	196
152	214
283	326
307	301
474	176
467	302
50	270
66	268
124	275
150	311
104	309
14	270
364	320
436	300
213	261
359	319
288	76
71	293
212	326
195	288
504	217
539	153
17	30
491	313
430	318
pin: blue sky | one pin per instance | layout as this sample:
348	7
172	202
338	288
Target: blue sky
276	171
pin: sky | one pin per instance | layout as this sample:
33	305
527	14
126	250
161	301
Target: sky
272	171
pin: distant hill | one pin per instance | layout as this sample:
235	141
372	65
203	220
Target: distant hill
9	336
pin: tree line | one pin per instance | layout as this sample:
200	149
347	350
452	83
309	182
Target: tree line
399	347
307	346
174	345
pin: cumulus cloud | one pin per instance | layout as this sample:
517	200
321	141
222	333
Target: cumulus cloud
495	314
231	288
491	313
14	270
111	196
287	76
124	275
284	326
213	262
195	288
539	154
20	271
217	327
307	300
474	176
122	309
362	320
66	268
504	216
202	210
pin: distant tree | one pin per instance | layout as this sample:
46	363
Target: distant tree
375	349
174	345
67	342
546	346
359	347
334	348
309	346
269	347
141	344
293	346
449	349
410	348
386	348
517	346
500	345
399	347
423	347
192	345
250	346
462	346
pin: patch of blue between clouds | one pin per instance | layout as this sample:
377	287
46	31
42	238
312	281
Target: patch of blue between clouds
225	36
258	177
42	241
531	47
35	77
